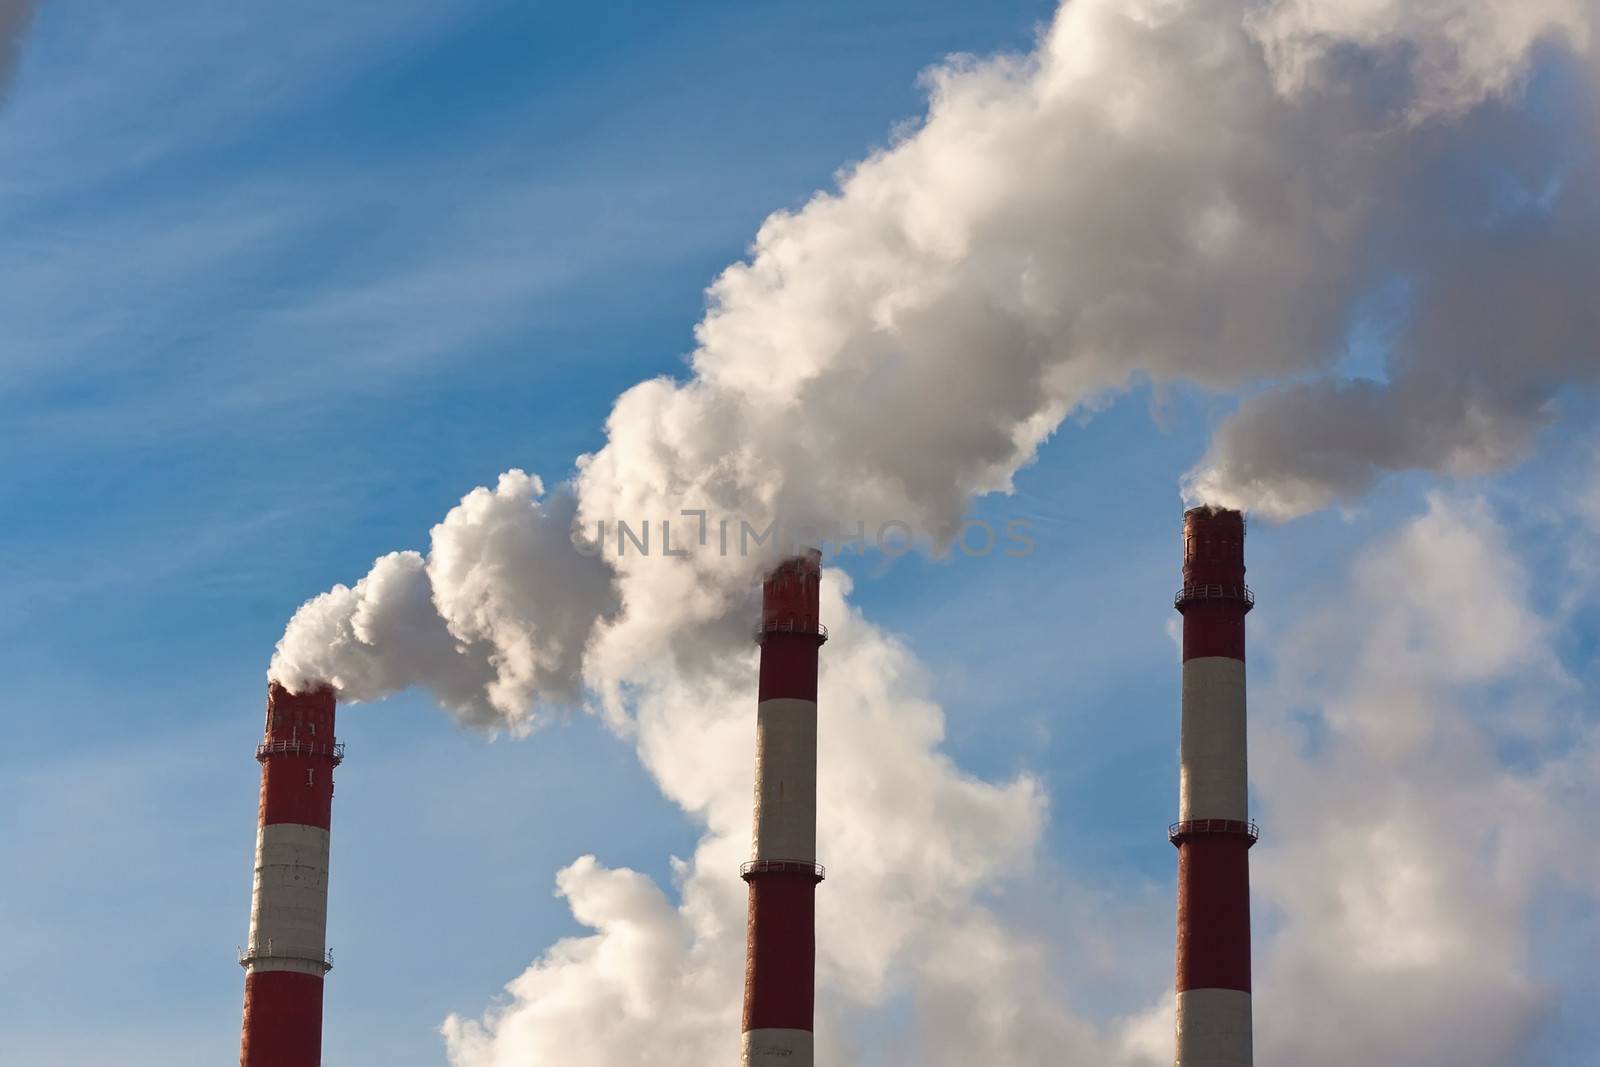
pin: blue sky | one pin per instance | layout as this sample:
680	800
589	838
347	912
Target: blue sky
282	283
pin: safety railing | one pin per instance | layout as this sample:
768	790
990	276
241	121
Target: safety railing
333	753
1190	593
257	953
751	868
1177	831
791	626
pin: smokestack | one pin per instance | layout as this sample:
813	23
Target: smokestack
286	957
783	872
1213	833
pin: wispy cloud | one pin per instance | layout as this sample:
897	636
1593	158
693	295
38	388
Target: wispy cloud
190	239
117	92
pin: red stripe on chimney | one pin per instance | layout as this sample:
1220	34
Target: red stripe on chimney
282	1020
1214	912
780	947
1213	628
297	756
297	790
788	666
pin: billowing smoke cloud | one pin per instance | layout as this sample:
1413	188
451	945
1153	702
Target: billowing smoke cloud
1406	857
1187	191
1453	54
1173	190
914	846
1500	318
487	621
1493	240
1402	863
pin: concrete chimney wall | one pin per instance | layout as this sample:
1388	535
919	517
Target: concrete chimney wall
286	957
780	957
1213	833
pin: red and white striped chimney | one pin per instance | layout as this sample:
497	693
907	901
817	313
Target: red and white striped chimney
1213	832
287	957
783	872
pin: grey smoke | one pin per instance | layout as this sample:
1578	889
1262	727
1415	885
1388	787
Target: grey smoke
1503	317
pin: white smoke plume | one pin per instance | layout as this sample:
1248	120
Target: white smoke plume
1497	329
1175	190
1182	191
488	622
1405	855
913	844
1400	868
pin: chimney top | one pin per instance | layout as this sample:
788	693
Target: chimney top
791	595
1213	546
308	714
